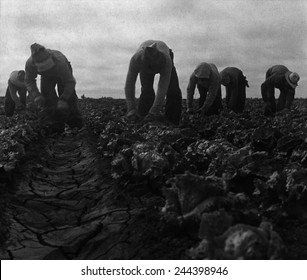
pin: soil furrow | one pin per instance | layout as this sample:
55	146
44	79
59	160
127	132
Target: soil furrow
59	200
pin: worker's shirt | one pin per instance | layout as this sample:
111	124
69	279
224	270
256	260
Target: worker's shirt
275	77
61	73
15	81
14	85
276	81
214	85
234	75
136	66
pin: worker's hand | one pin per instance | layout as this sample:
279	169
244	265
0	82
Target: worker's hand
190	111
132	116
285	111
268	109
62	105
39	102
19	106
153	118
131	113
199	111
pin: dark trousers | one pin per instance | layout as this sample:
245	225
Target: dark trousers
216	105
236	96
173	96
9	104
58	119
285	100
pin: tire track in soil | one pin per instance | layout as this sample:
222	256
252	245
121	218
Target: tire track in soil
64	206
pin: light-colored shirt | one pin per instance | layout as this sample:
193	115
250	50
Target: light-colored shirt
136	66
61	72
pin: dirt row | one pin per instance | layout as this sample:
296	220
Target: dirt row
66	206
99	193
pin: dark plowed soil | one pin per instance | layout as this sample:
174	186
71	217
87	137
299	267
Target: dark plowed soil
99	193
66	206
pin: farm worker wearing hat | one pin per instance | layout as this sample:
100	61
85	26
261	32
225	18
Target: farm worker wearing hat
151	58
55	70
207	79
16	84
280	77
235	83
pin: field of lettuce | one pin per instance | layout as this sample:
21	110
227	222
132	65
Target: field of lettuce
232	186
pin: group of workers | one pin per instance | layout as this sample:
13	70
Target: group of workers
151	58
59	107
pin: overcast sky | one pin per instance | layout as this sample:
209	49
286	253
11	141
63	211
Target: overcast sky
99	37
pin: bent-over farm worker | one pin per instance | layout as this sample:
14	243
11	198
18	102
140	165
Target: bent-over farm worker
153	57
207	79
279	77
55	70
235	83
16	84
